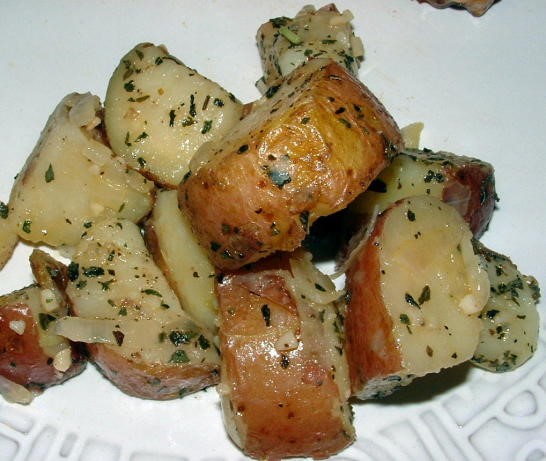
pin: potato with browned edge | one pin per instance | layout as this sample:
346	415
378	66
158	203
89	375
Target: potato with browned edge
416	289
306	149
284	382
135	328
32	356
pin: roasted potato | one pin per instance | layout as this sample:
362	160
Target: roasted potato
158	112
287	43
137	333
416	289
466	183
72	179
476	7
303	152
184	262
31	354
285	382
8	235
510	318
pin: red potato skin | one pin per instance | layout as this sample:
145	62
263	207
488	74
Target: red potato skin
148	380
241	211
22	359
371	348
470	188
283	401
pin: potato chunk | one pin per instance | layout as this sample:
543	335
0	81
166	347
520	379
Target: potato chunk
416	289
285	381
466	183
158	112
303	152
136	330
510	318
184	262
8	235
71	179
287	43
32	355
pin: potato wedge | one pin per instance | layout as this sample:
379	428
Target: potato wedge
466	183
304	152
137	333
416	289
476	7
158	112
184	262
8	235
510	318
71	179
285	381
287	43
32	355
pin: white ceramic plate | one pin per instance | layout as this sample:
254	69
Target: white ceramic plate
478	84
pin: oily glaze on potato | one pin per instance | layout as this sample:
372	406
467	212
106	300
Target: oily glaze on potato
285	381
158	112
8	235
303	152
72	179
287	43
510	318
184	262
416	289
32	355
137	333
466	183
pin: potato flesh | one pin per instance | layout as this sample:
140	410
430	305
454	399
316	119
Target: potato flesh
464	182
285	380
117	279
325	33
184	262
510	318
158	112
302	153
427	291
8	235
71	180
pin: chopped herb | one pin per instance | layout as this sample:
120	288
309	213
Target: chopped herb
328	41
279	22
404	319
218	102
425	295
215	246
129	86
203	342
271	91
285	361
81	284
141	136
319	287
304	220
411	301
433	176
490	314
151	291
188	121
49	174
142	162
193	111
106	285
45	319
207	125
305	120
139	53
178	337
88	224
122	311
291	36
119	337
242	149
127	143
179	356
430	351
345	122
73	271
93	271
4	210
172	116
26	226
266	314
411	215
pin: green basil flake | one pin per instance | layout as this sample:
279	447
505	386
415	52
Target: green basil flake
179	356
49	174
425	295
207	125
93	271
266	314
151	291
172	116
129	86
203	342
26	226
178	337
45	319
411	301
4	210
